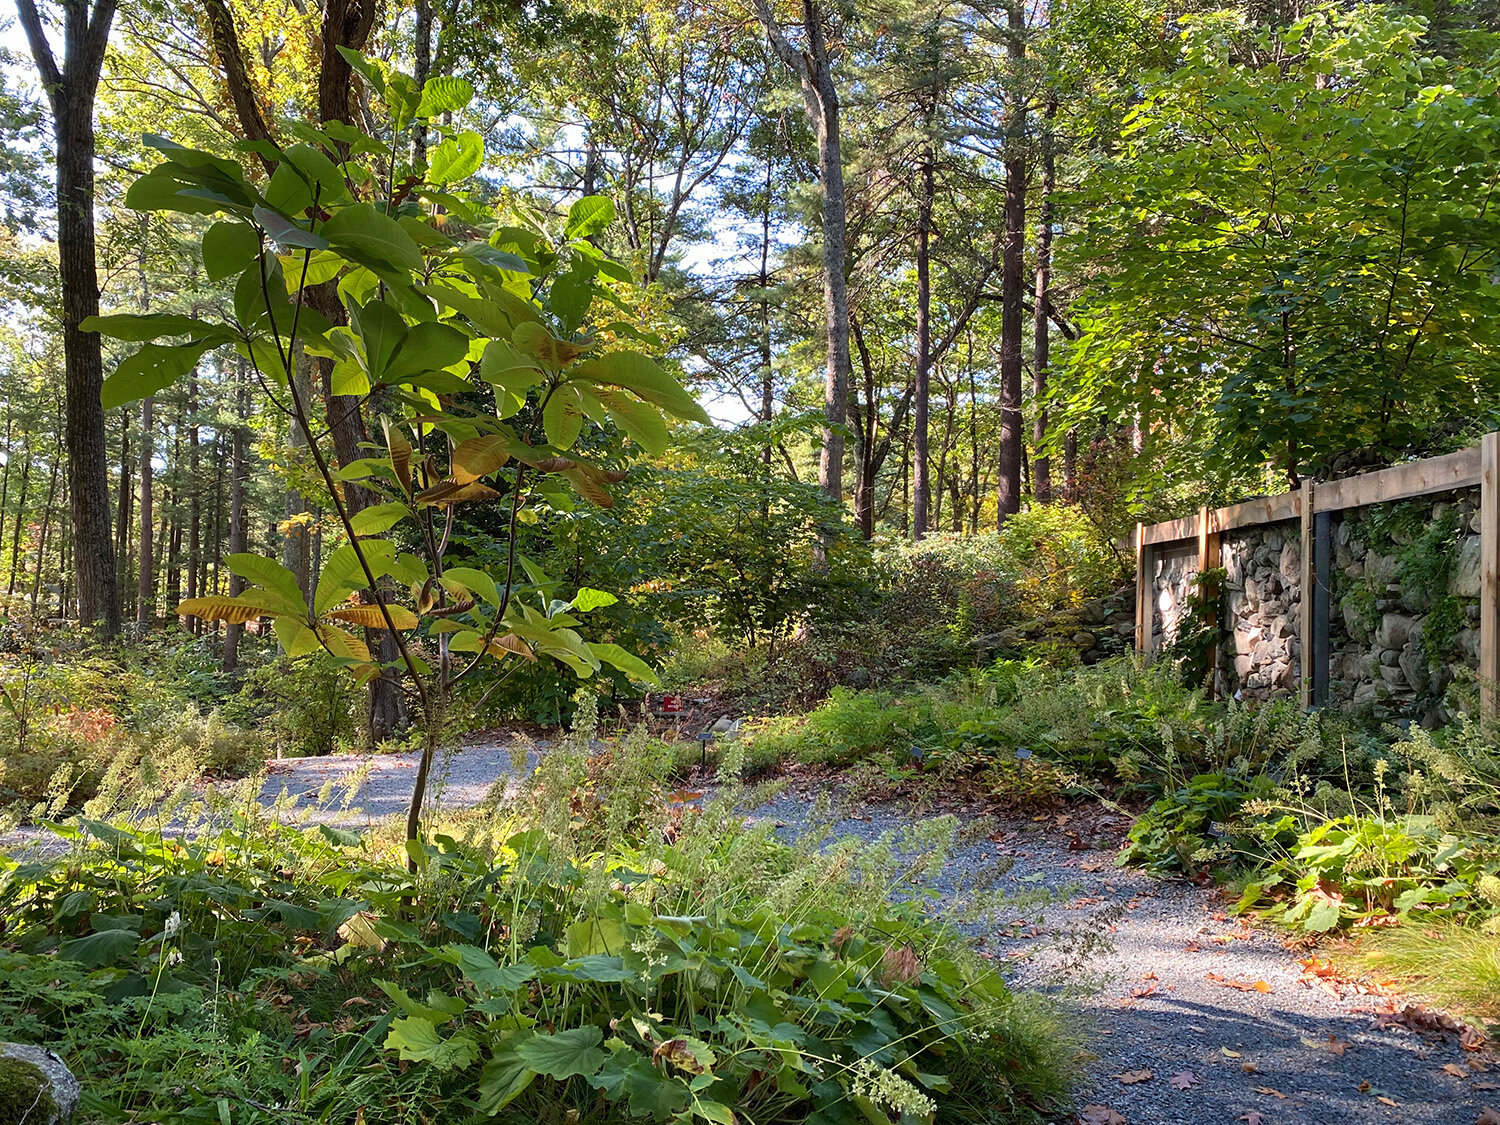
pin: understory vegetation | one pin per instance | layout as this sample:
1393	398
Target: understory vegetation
585	946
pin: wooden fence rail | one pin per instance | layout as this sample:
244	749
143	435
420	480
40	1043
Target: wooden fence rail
1313	505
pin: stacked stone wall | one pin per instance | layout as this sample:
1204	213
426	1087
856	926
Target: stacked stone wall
1404	598
1260	650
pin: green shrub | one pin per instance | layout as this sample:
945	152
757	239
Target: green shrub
586	948
305	706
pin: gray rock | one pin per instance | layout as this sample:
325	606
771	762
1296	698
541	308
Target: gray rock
1394	630
1393	676
1463	579
1413	665
1291	562
59	1087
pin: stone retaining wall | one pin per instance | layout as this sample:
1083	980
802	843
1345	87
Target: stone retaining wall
1404	620
1260	651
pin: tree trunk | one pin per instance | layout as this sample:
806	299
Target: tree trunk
1070	465
195	514
125	507
421	70
921	487
238	539
88	473
15	539
1041	469
41	543
145	606
814	70
1013	260
5	471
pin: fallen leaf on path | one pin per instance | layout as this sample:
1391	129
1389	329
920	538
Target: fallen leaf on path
1387	1101
1472	1039
1486	1086
1184	1081
1100	1115
1270	1091
1364	1087
1191	947
1228	1054
1131	1077
1238	985
1248	1068
1252	1118
1337	1046
1456	1071
1142	993
1488	1116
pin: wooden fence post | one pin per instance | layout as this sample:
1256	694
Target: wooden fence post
1208	559
1489	589
1143	607
1305	662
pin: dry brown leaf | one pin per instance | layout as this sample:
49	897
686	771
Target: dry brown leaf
1387	1101
1184	1081
1270	1091
1131	1077
1252	1118
1142	993
1456	1071
1228	1054
1487	1116
1100	1115
1486	1086
1337	1046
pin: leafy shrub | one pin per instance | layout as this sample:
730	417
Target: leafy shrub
587	947
304	706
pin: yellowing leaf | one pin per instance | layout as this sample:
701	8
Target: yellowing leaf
478	457
370	616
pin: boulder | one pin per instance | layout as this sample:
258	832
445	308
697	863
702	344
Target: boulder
36	1087
1394	630
1463	578
1291	562
1413	665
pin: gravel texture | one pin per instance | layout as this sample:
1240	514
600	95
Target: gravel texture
1133	955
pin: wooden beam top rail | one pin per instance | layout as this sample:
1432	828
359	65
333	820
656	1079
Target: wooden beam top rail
1399	482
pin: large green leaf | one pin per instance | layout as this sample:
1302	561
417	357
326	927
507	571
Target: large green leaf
486	974
477	581
562	417
136	327
382	329
100	950
361	227
504	1078
417	1040
378	518
268	573
320	172
228	248
444	94
426	348
643	377
575	1051
457	158
286	232
588	216
632	665
152	368
641	421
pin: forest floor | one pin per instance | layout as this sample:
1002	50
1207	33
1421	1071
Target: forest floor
1185	1015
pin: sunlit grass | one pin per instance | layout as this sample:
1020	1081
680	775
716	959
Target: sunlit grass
1456	967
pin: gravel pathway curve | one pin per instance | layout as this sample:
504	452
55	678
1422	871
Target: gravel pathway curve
1137	956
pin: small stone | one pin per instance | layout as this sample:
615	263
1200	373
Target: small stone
1394	630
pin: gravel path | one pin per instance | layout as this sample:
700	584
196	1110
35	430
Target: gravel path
1139	957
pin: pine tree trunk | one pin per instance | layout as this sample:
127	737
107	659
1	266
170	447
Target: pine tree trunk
1013	260
88	474
921	486
238	539
1041	341
15	539
145	607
